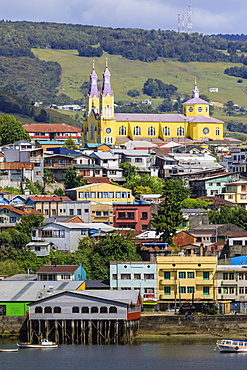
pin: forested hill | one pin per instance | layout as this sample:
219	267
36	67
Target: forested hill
36	80
232	37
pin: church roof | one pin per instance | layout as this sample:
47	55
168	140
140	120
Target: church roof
203	119
195	101
147	117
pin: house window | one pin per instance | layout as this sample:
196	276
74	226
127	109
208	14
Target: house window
137	131
225	276
237	242
113	309
75	309
205	275
241	290
131	215
54	212
182	290
38	309
103	310
71	212
94	309
217	131
231	290
166	131
190	275
167	290
79	212
108	139
149	276
114	276
225	290
138	160
144	215
98	213
241	276
48	310
206	290
84	309
180	131
125	276
190	289
231	276
167	275
137	276
182	275
65	277
121	215
105	213
91	130
151	131
122	131
57	309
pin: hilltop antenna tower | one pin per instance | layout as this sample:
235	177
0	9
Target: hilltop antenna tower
189	15
182	22
179	23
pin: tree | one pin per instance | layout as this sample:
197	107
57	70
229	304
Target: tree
29	222
128	170
177	189
196	203
168	219
11	130
146	181
73	180
59	192
70	144
133	93
138	190
235	215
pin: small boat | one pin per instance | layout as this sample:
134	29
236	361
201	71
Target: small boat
228	345
8	349
44	343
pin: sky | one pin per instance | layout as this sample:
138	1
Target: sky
208	16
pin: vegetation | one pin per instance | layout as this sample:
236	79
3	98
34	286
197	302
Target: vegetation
145	182
158	89
72	179
70	144
196	203
11	130
235	215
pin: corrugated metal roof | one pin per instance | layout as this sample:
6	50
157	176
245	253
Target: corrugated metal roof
50	127
147	117
56	269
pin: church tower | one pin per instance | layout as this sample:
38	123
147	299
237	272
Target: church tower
196	106
93	94
107	97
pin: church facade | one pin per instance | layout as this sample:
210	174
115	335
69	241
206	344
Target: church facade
102	125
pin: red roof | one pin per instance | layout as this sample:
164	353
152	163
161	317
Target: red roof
56	269
236	234
97	180
20	212
48	198
218	201
50	127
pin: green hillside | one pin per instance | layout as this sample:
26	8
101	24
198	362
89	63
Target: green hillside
131	74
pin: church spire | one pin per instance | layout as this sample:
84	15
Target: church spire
93	89
195	92
106	89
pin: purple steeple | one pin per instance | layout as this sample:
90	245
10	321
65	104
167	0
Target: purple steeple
106	89
93	89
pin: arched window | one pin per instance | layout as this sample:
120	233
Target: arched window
113	309
75	309
91	130
108	111
48	310
85	309
166	131
122	130
217	131
180	131
94	309
108	140
103	310
137	131
151	131
57	309
38	309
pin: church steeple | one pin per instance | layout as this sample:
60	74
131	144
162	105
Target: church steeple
93	94
195	92
106	89
107	96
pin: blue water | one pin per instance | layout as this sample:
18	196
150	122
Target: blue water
146	356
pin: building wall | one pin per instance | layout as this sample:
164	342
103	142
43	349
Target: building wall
135	275
182	278
102	213
134	216
13	308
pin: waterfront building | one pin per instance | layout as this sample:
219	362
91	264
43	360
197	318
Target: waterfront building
103	125
186	280
137	275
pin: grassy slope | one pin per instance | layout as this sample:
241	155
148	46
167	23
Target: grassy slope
127	74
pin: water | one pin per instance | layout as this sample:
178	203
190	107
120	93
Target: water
146	356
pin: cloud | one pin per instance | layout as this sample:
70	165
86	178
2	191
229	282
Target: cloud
208	16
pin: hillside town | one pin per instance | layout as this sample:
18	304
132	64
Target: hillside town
164	194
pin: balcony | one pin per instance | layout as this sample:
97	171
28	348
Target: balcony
204	282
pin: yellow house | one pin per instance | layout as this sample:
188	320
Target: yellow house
236	192
186	279
102	125
102	193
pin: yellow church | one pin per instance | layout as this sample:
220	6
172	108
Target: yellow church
102	125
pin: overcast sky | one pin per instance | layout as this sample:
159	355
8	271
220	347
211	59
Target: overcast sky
209	16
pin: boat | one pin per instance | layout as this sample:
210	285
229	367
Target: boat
44	343
8	349
228	345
